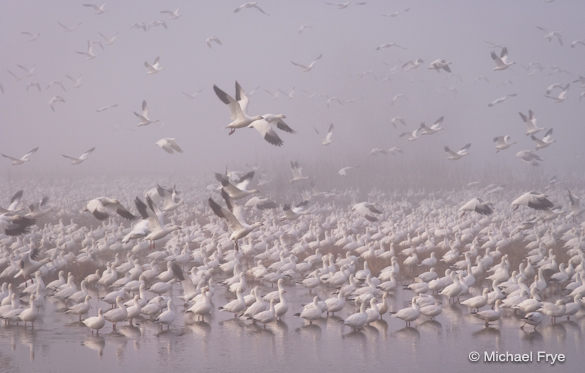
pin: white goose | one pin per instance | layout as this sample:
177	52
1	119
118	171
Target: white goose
329	137
95	322
409	314
501	61
458	154
545	141
530	122
153	68
503	142
237	225
239	117
169	145
297	172
533	200
116	315
81	158
357	320
22	160
309	67
144	116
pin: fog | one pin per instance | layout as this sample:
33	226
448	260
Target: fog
256	50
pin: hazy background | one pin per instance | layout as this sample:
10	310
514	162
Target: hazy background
256	51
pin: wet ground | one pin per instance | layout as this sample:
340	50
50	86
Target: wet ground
224	344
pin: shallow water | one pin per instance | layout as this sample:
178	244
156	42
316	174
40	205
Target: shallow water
224	344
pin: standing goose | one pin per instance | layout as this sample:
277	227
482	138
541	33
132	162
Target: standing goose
95	322
116	315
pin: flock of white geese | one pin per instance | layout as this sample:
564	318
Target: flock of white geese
518	256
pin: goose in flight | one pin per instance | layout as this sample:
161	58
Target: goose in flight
192	95
501	60
55	100
545	141
102	207
239	117
297	172
108	40
343	171
502	142
309	67
412	64
14	225
367	210
535	200
169	145
303	27
529	156
69	28
144	116
90	53
440	64
22	160
157	229
477	205
236	192
550	35
458	154
240	180
530	122
574	43
434	128
81	158
29	264
153	68
32	36
13	206
168	198
411	136
266	130
237	225
294	212
397	120
250	5
378	151
329	137
389	45
393	150
75	80
97	8
212	39
274	120
107	107
501	99
172	14
561	96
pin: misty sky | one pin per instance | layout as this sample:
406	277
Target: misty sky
256	51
